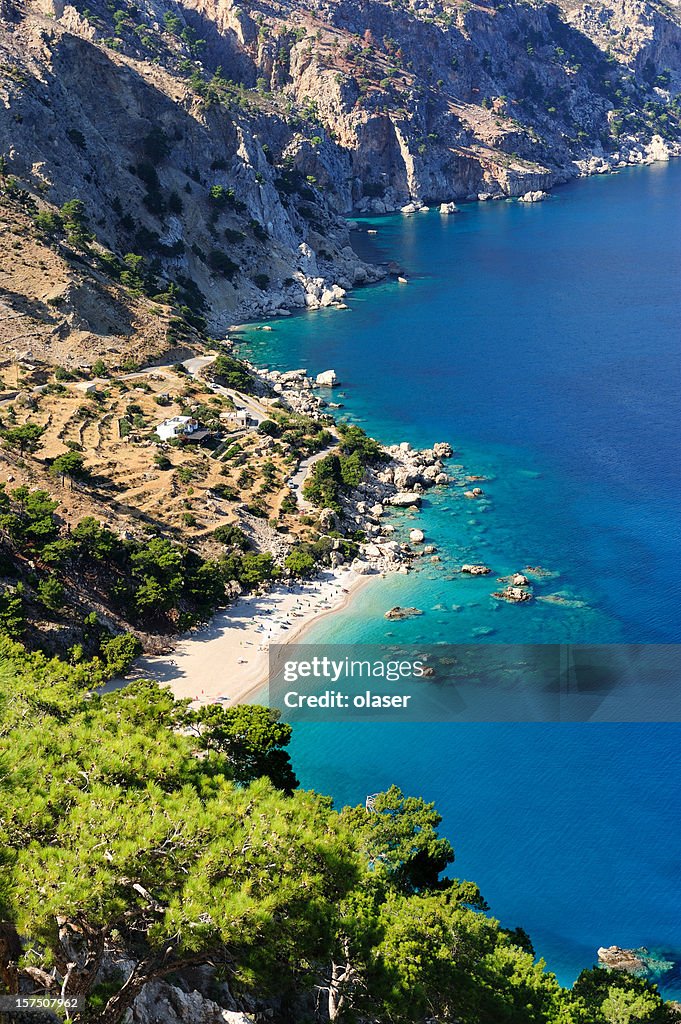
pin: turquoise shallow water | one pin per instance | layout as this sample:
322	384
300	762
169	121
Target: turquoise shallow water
543	342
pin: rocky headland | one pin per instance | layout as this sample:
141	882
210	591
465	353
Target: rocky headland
219	149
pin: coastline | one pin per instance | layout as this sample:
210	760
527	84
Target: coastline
230	654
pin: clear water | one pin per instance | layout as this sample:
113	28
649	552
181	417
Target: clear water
543	342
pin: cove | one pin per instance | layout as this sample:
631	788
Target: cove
543	342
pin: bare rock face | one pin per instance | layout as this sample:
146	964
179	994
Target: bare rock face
162	1002
234	183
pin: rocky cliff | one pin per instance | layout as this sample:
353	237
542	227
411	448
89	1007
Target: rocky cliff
224	143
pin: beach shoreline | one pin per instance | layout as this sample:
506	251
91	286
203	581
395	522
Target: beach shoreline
227	660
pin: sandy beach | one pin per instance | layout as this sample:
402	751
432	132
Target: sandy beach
227	660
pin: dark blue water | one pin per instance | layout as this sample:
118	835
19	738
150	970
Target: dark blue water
544	342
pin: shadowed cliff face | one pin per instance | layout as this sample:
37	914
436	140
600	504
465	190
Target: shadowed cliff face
296	113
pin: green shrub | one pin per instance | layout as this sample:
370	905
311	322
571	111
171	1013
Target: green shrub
219	261
231	535
300	563
48	223
232	373
269	427
51	593
69	464
120	651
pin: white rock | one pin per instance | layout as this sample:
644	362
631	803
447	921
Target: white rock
404	499
443	450
533	197
371	550
361	567
327	379
416	536
447	208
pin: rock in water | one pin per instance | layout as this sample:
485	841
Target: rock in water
639	962
518	580
476	570
327	379
402	613
416	536
447	208
403	499
533	197
516	595
442	450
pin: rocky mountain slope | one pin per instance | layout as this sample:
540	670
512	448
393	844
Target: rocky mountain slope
224	143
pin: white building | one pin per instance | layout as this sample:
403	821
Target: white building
176	426
238	417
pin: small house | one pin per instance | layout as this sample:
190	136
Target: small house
182	427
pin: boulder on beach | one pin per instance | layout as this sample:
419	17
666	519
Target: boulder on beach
361	567
371	550
402	613
327	379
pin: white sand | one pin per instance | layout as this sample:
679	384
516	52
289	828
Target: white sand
227	659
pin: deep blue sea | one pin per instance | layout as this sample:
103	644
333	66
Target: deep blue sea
544	342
